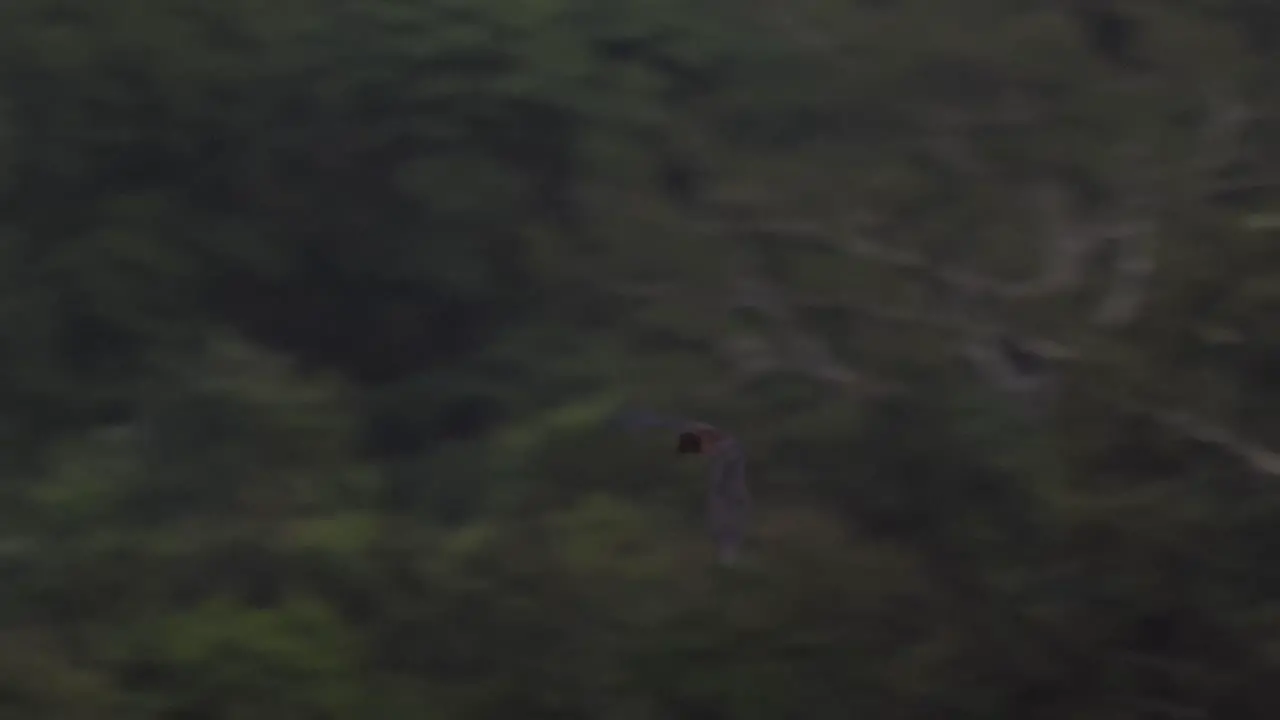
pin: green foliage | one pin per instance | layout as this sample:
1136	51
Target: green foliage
231	661
313	314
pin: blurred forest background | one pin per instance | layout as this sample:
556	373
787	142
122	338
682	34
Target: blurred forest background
313	313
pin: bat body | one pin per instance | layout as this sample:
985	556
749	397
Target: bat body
728	499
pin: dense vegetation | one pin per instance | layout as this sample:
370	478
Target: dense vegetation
314	311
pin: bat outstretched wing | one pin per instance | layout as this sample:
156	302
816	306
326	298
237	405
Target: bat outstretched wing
643	419
729	502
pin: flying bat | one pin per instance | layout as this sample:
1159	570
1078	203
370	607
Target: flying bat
728	499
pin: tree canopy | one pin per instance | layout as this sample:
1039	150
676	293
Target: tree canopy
314	313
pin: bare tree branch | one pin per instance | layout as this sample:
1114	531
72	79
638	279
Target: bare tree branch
1221	137
998	370
803	350
1132	271
1067	247
1256	456
751	357
1219	146
1065	243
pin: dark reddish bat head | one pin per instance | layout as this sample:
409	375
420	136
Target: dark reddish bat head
690	442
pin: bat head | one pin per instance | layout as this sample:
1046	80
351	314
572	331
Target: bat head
689	443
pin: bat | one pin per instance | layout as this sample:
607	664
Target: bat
728	499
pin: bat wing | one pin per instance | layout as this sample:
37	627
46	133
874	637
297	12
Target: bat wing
729	502
643	419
